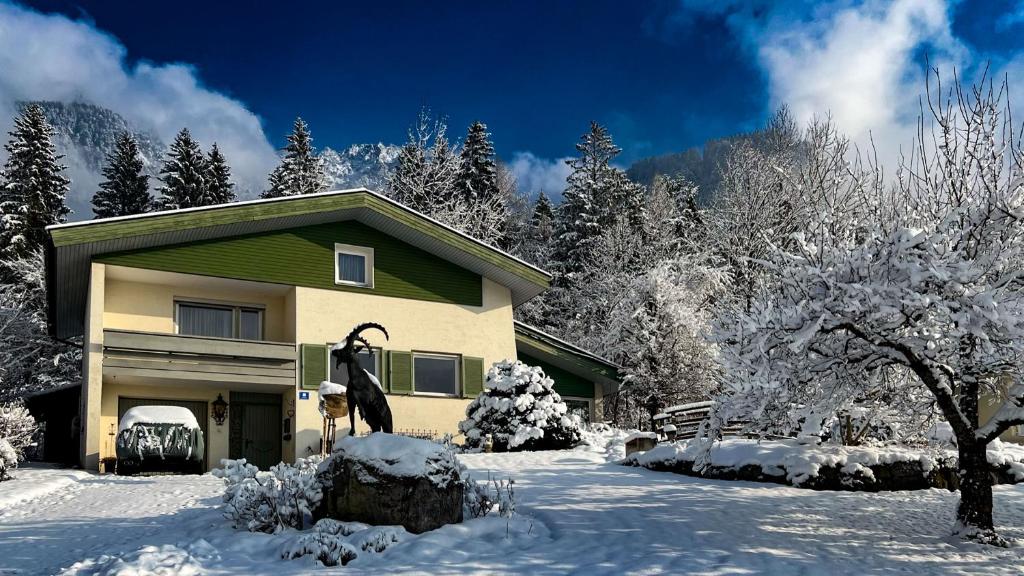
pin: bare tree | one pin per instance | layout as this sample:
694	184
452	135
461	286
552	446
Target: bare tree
924	278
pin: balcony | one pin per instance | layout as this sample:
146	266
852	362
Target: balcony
165	358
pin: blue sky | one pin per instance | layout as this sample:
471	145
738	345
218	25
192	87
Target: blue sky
536	72
662	75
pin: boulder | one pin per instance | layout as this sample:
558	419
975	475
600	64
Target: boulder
383	479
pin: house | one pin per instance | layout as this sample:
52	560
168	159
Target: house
239	303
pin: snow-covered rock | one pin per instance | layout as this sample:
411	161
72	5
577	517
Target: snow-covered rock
384	479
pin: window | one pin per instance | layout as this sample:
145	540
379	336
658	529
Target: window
219	320
353	265
579	407
369	362
435	374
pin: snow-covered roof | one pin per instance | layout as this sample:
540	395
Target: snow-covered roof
158	415
72	246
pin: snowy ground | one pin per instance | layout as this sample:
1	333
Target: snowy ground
580	514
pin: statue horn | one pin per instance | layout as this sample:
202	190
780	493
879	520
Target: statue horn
365	326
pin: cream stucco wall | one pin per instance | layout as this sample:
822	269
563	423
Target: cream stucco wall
150	307
485	331
92	369
300	315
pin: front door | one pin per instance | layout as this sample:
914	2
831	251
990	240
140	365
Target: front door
255	428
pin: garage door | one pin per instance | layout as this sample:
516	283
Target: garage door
197	407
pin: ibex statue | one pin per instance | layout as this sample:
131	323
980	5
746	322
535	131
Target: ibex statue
364	391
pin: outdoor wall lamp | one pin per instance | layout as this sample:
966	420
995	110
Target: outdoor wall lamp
220	410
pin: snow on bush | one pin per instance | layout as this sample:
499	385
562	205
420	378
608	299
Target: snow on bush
520	410
333	542
8	459
609	440
270	501
480	498
16	429
801	462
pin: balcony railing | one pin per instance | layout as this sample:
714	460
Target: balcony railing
197	358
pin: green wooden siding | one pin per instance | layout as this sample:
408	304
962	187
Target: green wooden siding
472	376
566	383
314	365
305	257
400	372
227	214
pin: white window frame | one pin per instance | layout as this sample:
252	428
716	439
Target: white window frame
236	310
365	252
458	374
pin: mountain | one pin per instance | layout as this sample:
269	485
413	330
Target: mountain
360	165
85	134
702	166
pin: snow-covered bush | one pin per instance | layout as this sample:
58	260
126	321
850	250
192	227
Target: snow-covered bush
520	409
8	459
16	429
333	542
270	501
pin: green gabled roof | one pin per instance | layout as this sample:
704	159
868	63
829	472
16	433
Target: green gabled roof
566	356
73	246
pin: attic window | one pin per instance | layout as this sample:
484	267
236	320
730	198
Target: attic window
353	265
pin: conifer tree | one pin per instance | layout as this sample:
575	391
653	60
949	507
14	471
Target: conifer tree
543	218
125	188
582	215
477	178
301	171
33	188
184	175
218	175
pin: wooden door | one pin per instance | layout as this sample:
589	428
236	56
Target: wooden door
255	428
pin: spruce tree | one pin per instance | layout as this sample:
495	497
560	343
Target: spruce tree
301	170
543	219
477	178
125	188
586	203
184	175
33	188
218	175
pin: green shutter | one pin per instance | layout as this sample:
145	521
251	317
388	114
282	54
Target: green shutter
472	376
314	365
400	372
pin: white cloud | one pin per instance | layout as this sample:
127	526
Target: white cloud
861	61
51	57
535	174
863	65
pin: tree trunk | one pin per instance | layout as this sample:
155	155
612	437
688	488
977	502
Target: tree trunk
974	513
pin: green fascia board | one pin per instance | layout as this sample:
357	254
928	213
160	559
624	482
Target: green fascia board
255	211
155	223
586	363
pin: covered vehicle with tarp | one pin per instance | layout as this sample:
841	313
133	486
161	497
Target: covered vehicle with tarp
159	439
